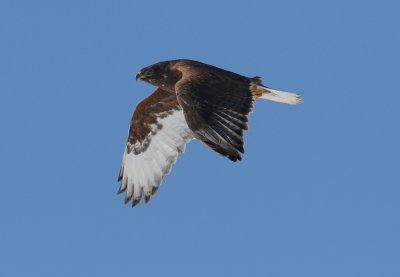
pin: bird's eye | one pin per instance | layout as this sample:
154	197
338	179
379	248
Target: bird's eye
149	71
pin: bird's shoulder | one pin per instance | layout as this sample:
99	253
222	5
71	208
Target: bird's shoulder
194	71
147	113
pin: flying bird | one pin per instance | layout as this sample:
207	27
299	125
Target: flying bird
193	100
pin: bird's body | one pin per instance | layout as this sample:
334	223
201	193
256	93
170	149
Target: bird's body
193	101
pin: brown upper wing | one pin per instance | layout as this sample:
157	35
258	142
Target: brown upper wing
157	134
216	103
146	115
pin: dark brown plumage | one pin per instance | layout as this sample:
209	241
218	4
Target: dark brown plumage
193	100
147	113
215	102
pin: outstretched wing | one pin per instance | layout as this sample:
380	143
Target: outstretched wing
216	104
157	134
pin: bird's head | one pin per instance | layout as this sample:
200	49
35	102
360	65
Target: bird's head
159	74
156	74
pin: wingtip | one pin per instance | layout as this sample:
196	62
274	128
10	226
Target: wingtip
234	158
135	202
154	190
121	173
127	199
120	190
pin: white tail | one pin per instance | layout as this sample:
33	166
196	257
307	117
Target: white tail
277	96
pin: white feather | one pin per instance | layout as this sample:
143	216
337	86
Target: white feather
144	171
279	96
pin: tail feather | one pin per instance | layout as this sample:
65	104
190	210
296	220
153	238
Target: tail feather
277	96
281	96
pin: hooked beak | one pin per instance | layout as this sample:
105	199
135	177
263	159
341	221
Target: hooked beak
142	76
139	75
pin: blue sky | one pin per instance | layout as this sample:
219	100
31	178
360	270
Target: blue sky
317	192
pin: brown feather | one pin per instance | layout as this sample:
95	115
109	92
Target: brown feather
146	113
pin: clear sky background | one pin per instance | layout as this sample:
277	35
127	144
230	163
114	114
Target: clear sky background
317	192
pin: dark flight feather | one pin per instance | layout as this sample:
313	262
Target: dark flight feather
216	110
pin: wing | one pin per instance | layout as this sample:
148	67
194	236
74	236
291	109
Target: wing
216	104
157	134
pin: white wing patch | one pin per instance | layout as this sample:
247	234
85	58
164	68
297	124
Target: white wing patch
142	173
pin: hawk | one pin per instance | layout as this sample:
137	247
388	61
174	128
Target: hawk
193	100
